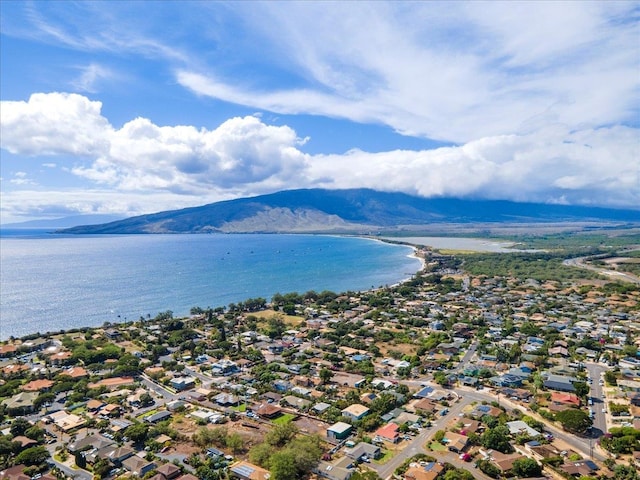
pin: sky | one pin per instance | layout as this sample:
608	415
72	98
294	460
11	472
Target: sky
135	107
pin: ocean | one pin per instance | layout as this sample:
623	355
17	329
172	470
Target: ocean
54	282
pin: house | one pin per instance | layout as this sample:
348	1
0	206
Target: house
428	471
333	471
580	468
296	402
504	462
157	417
425	405
565	399
42	385
169	471
321	407
226	399
269	411
94	405
482	410
355	411
424	393
559	383
138	466
120	454
89	442
247	471
519	427
455	442
15	473
339	431
183	383
388	433
21	403
363	450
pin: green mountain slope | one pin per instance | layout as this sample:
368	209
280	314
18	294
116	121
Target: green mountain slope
317	210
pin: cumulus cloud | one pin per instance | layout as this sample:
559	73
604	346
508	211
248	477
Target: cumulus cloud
54	124
143	156
142	167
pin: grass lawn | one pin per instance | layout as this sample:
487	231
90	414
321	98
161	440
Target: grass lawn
240	408
437	447
283	419
150	412
386	456
290	320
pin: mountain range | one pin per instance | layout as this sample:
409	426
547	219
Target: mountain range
353	210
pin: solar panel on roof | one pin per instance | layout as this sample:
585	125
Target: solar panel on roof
243	470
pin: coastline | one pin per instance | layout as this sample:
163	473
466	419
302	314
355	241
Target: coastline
86	305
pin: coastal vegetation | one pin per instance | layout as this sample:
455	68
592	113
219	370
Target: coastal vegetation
262	383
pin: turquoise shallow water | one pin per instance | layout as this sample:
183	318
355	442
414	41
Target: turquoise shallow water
51	282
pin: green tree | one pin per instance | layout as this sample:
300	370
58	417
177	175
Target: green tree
497	438
19	426
101	468
365	476
283	465
260	454
582	389
235	442
458	474
280	435
137	432
488	468
326	375
574	421
625	472
32	456
526	467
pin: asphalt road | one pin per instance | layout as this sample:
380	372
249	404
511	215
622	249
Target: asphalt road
585	446
579	262
417	445
597	394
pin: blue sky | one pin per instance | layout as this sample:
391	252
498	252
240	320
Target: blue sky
135	107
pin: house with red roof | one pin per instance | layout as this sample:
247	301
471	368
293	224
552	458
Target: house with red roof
388	433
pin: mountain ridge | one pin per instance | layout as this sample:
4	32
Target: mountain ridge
336	211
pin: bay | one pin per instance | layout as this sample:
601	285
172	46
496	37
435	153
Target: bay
55	282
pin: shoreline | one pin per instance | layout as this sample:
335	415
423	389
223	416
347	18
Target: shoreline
61	321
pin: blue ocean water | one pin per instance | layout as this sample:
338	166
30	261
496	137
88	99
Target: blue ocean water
54	282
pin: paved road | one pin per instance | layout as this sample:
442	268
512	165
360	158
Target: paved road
158	389
417	445
76	474
597	394
579	262
585	446
582	445
467	357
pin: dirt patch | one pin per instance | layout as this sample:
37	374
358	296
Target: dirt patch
312	426
404	348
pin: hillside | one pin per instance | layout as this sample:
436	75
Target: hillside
355	210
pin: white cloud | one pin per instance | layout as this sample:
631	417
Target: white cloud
450	71
19	205
161	167
53	124
91	75
21	178
241	153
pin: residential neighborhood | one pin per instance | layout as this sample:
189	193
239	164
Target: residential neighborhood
448	375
